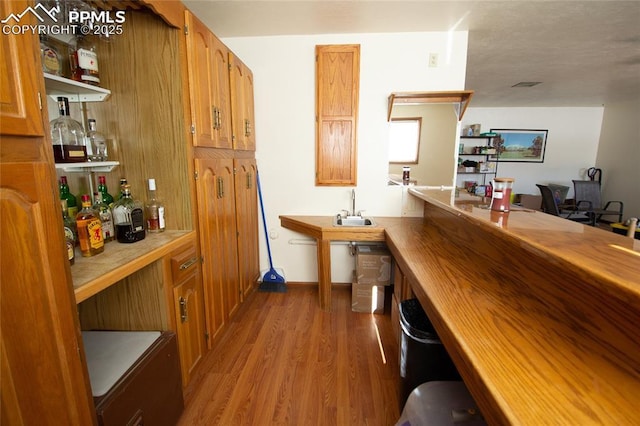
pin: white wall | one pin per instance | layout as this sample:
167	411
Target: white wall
619	156
572	142
284	91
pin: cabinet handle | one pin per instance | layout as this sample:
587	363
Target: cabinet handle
188	263
213	118
247	127
219	118
220	187
183	309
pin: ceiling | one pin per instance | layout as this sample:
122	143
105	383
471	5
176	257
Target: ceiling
584	53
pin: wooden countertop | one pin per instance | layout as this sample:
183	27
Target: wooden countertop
93	274
540	314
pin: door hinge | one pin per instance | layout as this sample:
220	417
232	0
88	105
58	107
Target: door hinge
206	335
186	30
195	175
193	129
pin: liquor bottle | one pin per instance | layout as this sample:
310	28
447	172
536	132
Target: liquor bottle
69	234
154	210
128	217
98	142
84	62
123	182
67	136
89	229
65	194
104	213
102	187
51	63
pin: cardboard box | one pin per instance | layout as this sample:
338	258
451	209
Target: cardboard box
367	298
373	265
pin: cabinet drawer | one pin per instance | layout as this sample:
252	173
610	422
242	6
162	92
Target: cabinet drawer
184	262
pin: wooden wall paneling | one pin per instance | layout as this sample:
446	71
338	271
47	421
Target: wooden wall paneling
337	93
135	303
145	113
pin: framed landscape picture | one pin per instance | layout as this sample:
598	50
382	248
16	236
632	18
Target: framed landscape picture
520	145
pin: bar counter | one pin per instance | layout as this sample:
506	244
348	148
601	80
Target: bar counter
541	315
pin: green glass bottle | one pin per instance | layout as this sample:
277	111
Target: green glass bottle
102	188
65	194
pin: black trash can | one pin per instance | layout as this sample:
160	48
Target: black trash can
423	357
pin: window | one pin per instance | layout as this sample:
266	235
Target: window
404	140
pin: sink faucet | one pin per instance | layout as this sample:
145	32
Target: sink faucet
353	202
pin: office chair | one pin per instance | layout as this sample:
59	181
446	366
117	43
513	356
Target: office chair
589	191
550	206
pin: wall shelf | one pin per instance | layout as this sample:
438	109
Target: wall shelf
459	99
74	90
93	166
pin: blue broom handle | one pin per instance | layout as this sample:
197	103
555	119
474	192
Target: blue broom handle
264	219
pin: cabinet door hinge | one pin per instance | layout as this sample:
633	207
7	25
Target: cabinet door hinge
193	129
186	30
195	175
206	335
40	100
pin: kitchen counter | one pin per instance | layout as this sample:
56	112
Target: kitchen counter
540	314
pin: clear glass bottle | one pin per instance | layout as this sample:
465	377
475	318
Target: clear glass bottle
98	142
69	234
67	136
128	218
104	212
102	187
89	229
51	63
154	210
65	194
84	61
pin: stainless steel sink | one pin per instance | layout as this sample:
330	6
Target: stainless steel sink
353	221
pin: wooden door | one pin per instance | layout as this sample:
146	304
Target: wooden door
247	221
337	86
189	311
218	240
241	81
201	87
210	209
221	96
42	366
249	113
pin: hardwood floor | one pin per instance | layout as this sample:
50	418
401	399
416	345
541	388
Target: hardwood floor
283	361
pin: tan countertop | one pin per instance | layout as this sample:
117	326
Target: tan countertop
93	274
540	314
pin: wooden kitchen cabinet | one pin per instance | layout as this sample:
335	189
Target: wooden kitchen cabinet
42	365
247	222
337	89
242	109
218	241
188	301
209	87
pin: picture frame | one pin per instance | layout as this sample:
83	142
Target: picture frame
520	146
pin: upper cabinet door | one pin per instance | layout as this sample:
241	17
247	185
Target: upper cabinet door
242	105
221	96
337	87
20	69
208	86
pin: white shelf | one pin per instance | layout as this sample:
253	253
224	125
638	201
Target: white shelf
93	166
74	90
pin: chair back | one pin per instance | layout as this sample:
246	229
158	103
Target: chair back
548	201
588	190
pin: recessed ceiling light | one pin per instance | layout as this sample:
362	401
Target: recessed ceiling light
527	84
